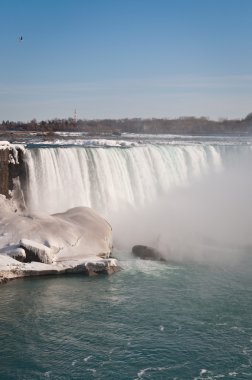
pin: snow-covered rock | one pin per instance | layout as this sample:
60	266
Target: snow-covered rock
13	150
36	251
78	240
16	253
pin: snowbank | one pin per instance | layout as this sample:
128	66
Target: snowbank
78	240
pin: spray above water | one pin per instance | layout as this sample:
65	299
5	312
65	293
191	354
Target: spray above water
210	220
189	202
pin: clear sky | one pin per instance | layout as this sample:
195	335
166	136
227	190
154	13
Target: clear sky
125	58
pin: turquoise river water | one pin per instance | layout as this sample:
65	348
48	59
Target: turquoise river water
149	321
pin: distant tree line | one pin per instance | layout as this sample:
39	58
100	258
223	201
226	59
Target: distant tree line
181	125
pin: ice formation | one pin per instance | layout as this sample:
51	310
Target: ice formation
78	240
13	150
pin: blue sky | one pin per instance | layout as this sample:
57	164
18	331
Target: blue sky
125	58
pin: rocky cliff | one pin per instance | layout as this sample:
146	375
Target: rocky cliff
11	165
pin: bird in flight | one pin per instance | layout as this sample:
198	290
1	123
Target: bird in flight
20	38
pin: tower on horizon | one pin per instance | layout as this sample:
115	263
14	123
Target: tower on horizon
75	116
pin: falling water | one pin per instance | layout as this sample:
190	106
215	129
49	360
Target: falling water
107	178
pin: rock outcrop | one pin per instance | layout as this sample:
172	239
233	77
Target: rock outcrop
36	252
31	244
147	253
11	165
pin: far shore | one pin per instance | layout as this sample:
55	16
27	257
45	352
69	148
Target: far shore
201	126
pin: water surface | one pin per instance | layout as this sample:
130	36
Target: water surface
150	321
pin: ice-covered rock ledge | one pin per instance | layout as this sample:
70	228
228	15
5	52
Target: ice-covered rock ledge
11	165
76	241
13	151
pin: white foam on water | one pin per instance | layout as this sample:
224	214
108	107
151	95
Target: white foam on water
203	371
87	358
47	374
105	143
141	374
92	370
148	267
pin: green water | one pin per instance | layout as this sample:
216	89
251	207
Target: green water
149	321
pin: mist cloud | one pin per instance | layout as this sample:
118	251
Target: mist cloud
210	220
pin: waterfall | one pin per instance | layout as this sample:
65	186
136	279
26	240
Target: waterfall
107	178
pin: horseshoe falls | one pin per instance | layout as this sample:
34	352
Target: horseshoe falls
109	178
186	319
174	198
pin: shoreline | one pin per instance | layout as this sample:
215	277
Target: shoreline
89	268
